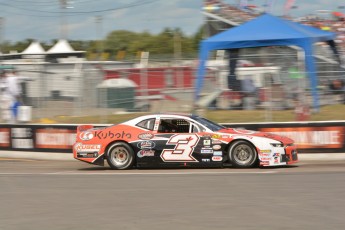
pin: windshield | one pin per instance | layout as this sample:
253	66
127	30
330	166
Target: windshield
209	124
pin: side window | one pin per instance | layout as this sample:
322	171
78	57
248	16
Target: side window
147	124
173	126
194	128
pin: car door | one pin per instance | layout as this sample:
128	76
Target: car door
184	146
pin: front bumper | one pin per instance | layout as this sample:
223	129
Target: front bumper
286	155
291	155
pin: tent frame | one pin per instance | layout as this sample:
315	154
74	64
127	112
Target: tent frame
263	31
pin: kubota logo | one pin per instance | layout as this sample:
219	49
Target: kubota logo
85	136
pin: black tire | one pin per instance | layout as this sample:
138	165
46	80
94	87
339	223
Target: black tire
242	155
120	156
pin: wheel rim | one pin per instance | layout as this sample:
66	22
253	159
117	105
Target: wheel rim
120	156
243	154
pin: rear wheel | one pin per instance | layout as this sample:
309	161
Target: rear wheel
120	156
242	154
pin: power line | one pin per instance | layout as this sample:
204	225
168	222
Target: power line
70	13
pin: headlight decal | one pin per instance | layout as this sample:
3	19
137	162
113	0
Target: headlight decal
277	145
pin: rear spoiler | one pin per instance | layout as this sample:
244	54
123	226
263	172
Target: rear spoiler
82	128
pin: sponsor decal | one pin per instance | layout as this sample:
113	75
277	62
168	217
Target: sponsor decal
244	131
145	136
87	155
205	160
146	145
276	157
80	148
206	150
312	137
216	141
4	137
265	159
55	138
225	136
109	134
216	136
216	147
264	154
85	136
22	138
157	122
207	142
92	154
146	153
217	153
217	158
265	151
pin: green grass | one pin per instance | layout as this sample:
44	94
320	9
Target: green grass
326	113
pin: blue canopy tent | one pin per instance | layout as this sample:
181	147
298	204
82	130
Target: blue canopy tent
266	30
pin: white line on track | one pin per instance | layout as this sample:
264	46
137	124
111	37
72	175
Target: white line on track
134	173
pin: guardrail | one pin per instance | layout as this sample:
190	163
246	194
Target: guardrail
310	137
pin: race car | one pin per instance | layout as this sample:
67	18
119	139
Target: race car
175	140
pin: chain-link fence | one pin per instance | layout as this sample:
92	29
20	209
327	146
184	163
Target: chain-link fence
271	79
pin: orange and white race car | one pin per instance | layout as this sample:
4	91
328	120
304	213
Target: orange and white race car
171	140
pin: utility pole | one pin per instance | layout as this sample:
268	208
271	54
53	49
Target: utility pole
2	22
99	20
64	4
177	47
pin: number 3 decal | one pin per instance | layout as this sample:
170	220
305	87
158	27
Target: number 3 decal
183	150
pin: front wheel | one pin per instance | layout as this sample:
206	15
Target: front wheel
120	156
242	154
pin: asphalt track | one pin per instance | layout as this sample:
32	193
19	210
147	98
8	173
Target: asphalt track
39	194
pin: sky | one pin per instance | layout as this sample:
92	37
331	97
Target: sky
94	19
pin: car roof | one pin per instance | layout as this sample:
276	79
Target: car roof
144	117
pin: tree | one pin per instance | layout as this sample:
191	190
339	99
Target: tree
119	40
167	42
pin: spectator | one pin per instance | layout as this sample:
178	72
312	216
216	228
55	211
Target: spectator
10	96
302	110
249	92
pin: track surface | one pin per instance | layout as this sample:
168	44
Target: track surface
53	195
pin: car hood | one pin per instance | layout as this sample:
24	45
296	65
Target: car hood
246	132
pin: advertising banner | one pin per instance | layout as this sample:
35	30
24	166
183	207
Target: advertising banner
5	137
55	138
37	138
310	137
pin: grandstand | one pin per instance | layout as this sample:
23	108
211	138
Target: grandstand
221	16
